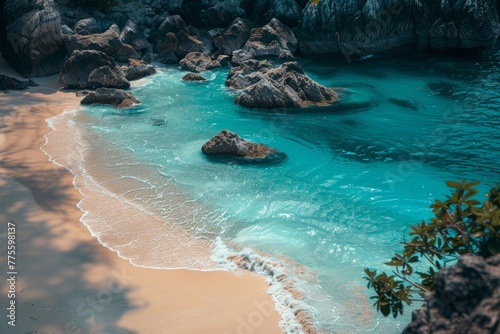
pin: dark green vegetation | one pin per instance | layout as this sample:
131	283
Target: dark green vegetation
461	225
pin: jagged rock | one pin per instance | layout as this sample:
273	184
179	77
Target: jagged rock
137	69
168	57
193	77
287	11
115	97
125	52
107	42
466	299
195	62
221	61
229	144
239	56
66	30
272	40
170	24
221	13
284	86
87	26
359	28
92	69
133	36
7	83
33	42
232	38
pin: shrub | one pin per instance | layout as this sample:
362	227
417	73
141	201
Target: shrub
461	225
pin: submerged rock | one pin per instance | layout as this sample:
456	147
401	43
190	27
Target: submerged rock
404	103
466	299
193	77
115	97
284	86
92	69
229	144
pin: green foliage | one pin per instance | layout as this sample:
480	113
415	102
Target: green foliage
461	225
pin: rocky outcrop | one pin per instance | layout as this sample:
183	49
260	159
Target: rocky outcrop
466	299
115	97
193	77
133	36
92	69
138	69
221	13
358	28
233	37
87	26
199	62
272	40
284	86
229	144
33	42
108	42
7	83
287	11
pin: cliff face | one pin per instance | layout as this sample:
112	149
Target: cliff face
362	27
466	300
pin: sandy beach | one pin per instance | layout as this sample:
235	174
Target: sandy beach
66	281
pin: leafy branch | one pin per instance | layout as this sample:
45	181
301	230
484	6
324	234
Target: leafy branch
461	225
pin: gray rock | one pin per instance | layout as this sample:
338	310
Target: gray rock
221	13
466	299
272	40
7	83
285	86
229	144
287	11
138	69
168	57
133	36
34	45
66	30
125	52
115	97
240	77
92	69
359	28
240	56
195	62
87	26
108	42
193	77
232	38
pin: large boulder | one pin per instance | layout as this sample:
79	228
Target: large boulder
107	42
115	97
126	52
359	28
221	13
285	86
233	37
229	144
92	69
32	41
88	26
133	36
200	62
193	77
262	11
138	69
7	83
466	299
272	40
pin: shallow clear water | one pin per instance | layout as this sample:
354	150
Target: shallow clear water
358	173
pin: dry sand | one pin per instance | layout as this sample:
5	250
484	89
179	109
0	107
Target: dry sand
66	281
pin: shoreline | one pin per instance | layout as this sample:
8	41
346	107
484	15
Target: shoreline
67	281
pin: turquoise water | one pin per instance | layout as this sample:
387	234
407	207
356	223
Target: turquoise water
358	173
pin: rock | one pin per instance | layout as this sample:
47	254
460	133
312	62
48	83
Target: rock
232	38
287	11
92	69
7	83
193	77
229	144
221	61
360	28
221	13
196	62
240	56
133	36
115	97
125	52
108	42
66	30
466	299
272	40
87	27
190	40
284	86
412	105
168	57
138	69
32	41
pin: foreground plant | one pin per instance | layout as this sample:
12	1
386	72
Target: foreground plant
461	225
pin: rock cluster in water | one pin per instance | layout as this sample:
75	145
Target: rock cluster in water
229	144
466	299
